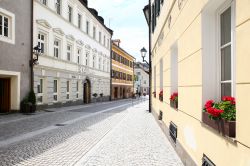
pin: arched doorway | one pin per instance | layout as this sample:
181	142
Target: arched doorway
86	92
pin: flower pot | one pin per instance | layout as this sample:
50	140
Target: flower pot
28	108
154	95
215	124
160	98
174	104
228	128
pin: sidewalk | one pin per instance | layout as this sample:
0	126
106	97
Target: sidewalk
136	140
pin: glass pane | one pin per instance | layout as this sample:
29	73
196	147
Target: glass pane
226	89
1	25
6	31
226	63
55	86
40	99
42	47
226	26
6	22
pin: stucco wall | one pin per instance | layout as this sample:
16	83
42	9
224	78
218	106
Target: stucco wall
185	30
15	57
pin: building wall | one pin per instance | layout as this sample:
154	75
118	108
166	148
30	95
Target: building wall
187	32
142	83
122	85
96	52
16	53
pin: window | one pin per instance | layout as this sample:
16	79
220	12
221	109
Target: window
100	61
93	61
161	74
56	48
40	91
104	40
42	42
94	32
79	21
108	43
86	59
226	53
43	2
100	37
174	68
67	89
58	6
7	26
77	89
55	90
70	13
87	27
78	55
69	47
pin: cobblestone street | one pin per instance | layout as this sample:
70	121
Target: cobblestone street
100	134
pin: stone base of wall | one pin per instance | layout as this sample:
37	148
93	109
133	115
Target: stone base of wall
71	103
184	156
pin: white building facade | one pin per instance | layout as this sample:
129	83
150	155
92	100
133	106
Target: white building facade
75	60
142	78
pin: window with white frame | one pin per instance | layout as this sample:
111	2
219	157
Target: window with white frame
100	37
174	68
79	55
104	63
40	91
94	32
218	58
67	89
93	61
58	6
161	74
100	61
70	13
87	27
69	50
79	21
56	48
55	90
226	53
77	89
86	58
7	26
43	2
104	40
42	42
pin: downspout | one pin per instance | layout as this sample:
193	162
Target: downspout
31	57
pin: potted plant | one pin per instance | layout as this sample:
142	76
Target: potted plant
28	105
154	93
95	95
174	100
161	95
221	115
101	95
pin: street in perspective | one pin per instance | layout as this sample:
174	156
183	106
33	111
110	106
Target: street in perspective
124	83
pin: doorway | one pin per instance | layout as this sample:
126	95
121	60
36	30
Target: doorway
5	95
87	92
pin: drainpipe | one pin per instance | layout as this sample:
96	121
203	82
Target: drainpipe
31	57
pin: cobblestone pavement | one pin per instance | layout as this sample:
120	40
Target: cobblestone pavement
136	141
93	123
107	134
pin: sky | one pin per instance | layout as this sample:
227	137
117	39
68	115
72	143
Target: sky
126	19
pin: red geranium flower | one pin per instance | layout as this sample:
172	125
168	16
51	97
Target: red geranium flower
214	112
209	104
229	98
173	96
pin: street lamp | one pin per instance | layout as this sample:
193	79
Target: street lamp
36	51
143	54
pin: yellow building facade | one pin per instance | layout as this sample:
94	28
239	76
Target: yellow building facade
200	49
122	72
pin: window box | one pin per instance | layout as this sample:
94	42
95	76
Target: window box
215	124
174	104
228	128
161	95
221	116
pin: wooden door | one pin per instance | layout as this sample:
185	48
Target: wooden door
4	95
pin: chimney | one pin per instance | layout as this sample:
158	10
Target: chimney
117	42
